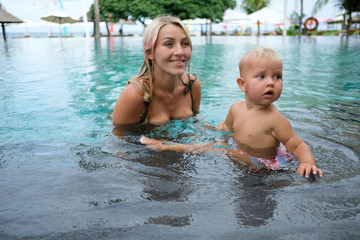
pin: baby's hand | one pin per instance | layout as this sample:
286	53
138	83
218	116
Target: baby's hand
305	169
153	144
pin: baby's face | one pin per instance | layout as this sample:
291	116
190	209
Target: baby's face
263	79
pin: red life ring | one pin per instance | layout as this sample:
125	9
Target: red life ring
310	22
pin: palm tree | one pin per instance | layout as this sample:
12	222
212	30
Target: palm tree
97	19
251	6
301	15
318	5
349	6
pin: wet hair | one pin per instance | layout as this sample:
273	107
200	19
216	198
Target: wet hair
258	52
145	77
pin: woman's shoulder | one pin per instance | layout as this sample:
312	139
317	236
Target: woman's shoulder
193	78
129	105
138	84
189	78
134	91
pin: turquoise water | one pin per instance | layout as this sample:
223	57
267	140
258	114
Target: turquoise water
64	175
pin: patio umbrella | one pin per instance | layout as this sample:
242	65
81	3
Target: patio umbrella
266	15
59	17
6	17
235	17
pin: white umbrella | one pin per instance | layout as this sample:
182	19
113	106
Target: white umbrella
59	17
235	17
196	21
266	16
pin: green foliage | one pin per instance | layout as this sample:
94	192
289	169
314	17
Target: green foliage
351	5
348	5
209	9
251	6
294	26
184	9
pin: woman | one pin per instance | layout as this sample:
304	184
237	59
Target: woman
161	91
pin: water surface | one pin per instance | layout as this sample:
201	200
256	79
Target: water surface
64	175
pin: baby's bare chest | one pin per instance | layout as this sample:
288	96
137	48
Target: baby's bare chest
255	132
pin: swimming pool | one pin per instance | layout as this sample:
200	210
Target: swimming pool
64	175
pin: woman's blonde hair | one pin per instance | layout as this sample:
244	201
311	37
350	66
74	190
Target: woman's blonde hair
145	77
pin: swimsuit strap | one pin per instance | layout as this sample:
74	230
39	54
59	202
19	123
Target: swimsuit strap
144	85
188	87
144	111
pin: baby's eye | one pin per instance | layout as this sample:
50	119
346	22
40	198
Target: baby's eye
260	76
277	77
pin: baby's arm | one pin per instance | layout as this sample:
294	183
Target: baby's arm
226	126
285	134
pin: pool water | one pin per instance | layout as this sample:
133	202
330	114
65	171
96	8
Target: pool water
65	175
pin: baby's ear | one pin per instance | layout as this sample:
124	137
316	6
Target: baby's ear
241	82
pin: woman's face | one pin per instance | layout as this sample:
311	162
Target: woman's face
172	51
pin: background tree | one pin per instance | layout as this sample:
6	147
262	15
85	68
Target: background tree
209	9
349	6
250	6
140	10
96	19
301	17
109	16
295	25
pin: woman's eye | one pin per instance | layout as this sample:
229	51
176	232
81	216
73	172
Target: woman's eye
186	44
168	44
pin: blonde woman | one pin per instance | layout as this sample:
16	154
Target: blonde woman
162	90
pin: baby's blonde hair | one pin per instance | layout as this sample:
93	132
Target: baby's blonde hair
258	52
145	77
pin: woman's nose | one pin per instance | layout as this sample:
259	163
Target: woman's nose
179	50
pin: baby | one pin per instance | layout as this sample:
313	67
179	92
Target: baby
258	126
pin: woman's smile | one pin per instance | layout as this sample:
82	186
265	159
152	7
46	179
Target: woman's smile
172	51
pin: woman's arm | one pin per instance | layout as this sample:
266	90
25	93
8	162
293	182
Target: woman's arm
236	155
163	145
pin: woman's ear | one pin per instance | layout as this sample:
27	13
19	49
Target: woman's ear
241	82
150	55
